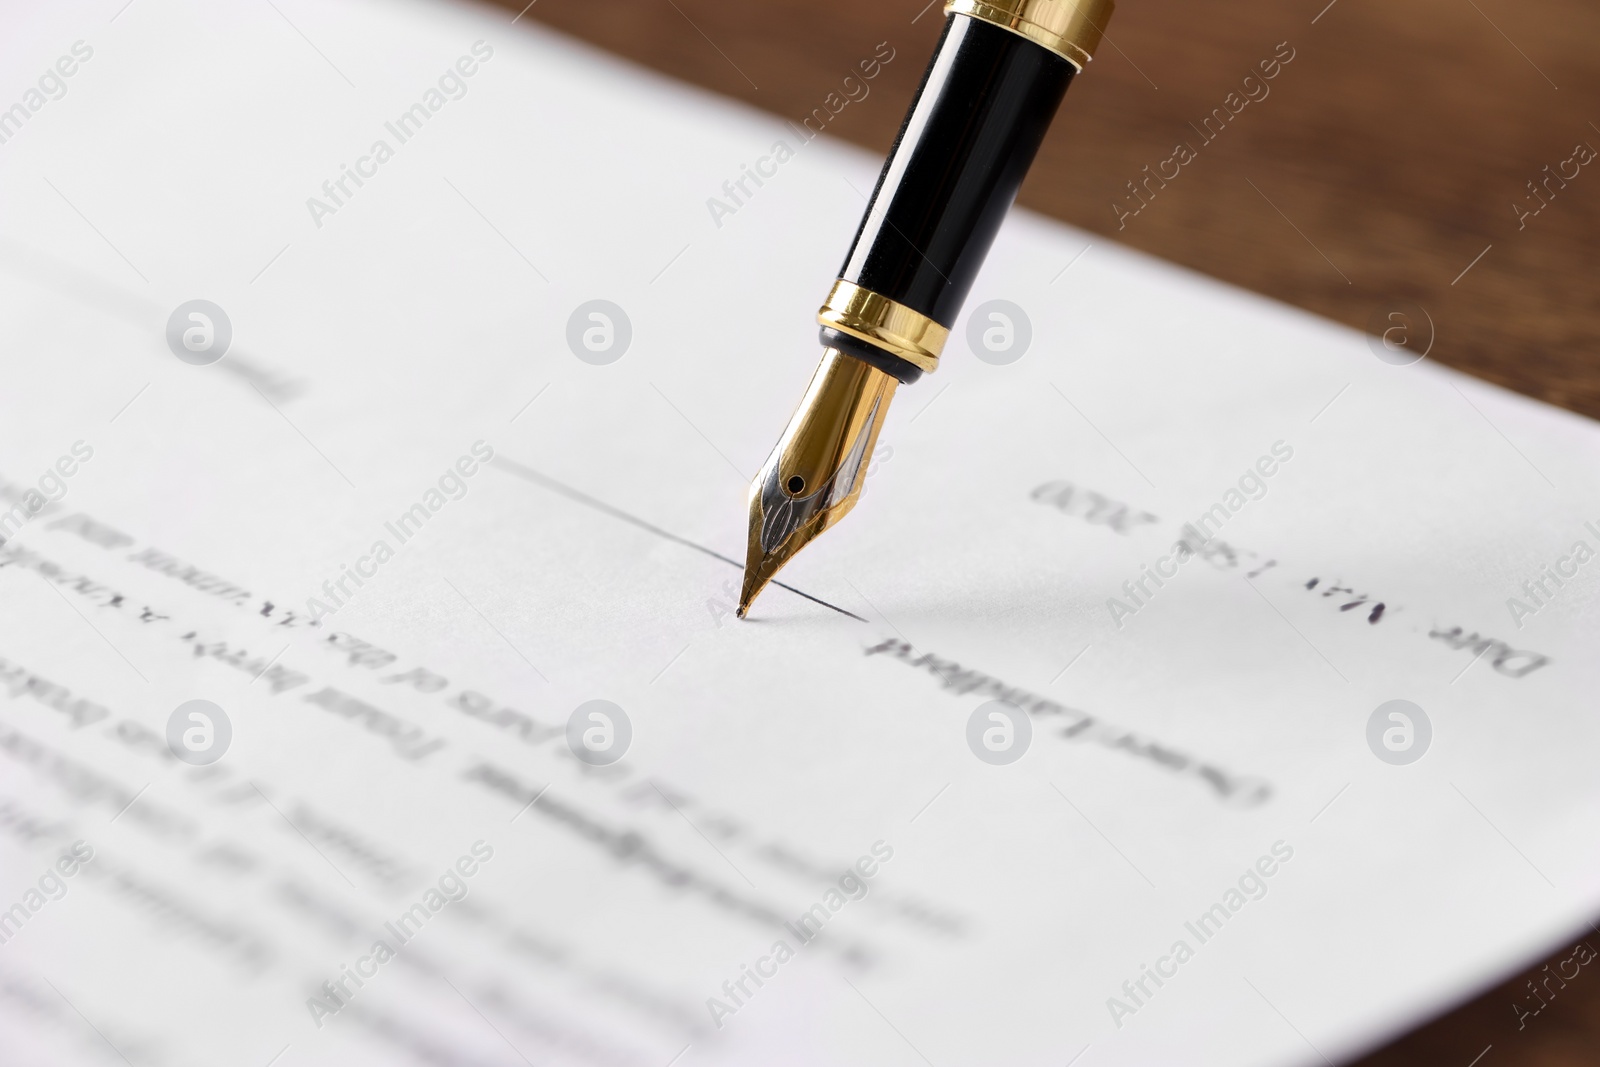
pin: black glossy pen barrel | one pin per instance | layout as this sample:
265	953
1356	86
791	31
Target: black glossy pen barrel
972	132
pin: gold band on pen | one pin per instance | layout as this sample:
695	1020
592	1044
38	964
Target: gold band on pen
1070	28
892	326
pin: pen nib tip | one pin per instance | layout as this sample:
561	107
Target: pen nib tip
753	584
814	476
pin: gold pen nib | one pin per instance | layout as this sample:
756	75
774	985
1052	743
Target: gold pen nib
814	476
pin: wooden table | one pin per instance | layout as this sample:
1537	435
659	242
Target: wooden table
1399	155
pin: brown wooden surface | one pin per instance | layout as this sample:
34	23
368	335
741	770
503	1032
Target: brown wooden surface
1387	157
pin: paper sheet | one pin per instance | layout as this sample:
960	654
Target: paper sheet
1202	771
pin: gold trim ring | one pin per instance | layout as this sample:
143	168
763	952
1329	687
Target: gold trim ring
876	319
1070	28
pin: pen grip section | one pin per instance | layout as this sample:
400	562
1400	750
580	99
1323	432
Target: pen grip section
972	132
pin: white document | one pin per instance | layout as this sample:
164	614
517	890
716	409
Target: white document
1200	858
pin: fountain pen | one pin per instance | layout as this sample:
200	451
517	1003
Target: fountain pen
995	82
